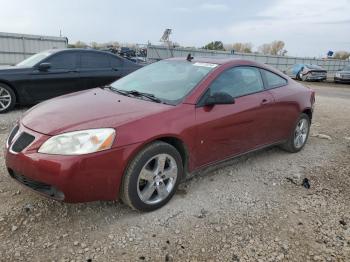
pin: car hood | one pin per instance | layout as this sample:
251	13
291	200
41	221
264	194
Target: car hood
344	72
94	108
13	69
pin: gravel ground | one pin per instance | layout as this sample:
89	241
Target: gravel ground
252	208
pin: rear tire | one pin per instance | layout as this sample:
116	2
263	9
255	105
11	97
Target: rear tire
152	177
299	136
7	98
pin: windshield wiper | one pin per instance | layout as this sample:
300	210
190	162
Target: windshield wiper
135	93
141	94
122	92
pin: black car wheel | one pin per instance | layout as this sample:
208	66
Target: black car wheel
7	98
152	177
299	136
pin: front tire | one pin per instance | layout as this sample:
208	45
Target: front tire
7	98
299	136
152	177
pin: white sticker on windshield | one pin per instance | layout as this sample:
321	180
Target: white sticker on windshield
205	64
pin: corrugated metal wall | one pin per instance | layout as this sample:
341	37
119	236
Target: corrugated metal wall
16	47
279	62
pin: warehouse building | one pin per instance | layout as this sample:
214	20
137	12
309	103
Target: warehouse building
16	47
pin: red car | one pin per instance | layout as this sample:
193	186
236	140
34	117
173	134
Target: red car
138	138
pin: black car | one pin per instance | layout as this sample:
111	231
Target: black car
57	72
343	76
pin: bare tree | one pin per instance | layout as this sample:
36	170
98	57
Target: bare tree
80	44
240	47
343	55
273	48
265	49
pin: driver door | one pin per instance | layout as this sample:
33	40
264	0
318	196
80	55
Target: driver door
231	129
61	78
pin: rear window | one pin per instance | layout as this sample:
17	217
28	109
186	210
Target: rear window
273	80
314	67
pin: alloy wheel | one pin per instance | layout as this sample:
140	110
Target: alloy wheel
157	179
5	99
301	132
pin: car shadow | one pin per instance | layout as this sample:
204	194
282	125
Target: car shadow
116	210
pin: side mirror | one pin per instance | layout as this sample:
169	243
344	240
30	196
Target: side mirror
220	98
44	66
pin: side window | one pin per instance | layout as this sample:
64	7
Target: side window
94	60
273	80
238	81
115	62
67	60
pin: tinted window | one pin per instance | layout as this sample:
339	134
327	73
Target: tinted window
273	80
238	81
65	60
94	60
115	62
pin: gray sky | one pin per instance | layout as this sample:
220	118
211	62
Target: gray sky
308	27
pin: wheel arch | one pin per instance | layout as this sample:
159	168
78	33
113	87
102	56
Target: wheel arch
180	147
308	112
173	140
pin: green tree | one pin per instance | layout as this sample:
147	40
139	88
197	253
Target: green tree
216	45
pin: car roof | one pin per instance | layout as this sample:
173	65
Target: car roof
229	61
56	50
212	60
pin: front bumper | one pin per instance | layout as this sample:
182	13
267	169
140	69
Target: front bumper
72	179
315	78
342	80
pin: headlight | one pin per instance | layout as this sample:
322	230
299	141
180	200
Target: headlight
79	142
337	75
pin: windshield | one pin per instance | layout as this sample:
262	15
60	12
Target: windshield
168	80
347	68
314	67
34	59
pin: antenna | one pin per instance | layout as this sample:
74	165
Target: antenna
166	35
166	40
189	57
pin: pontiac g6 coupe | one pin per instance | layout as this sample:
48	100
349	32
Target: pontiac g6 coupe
136	139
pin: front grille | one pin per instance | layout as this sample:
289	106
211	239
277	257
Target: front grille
22	142
41	187
12	134
345	76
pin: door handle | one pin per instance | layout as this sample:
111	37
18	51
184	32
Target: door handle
115	69
73	71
